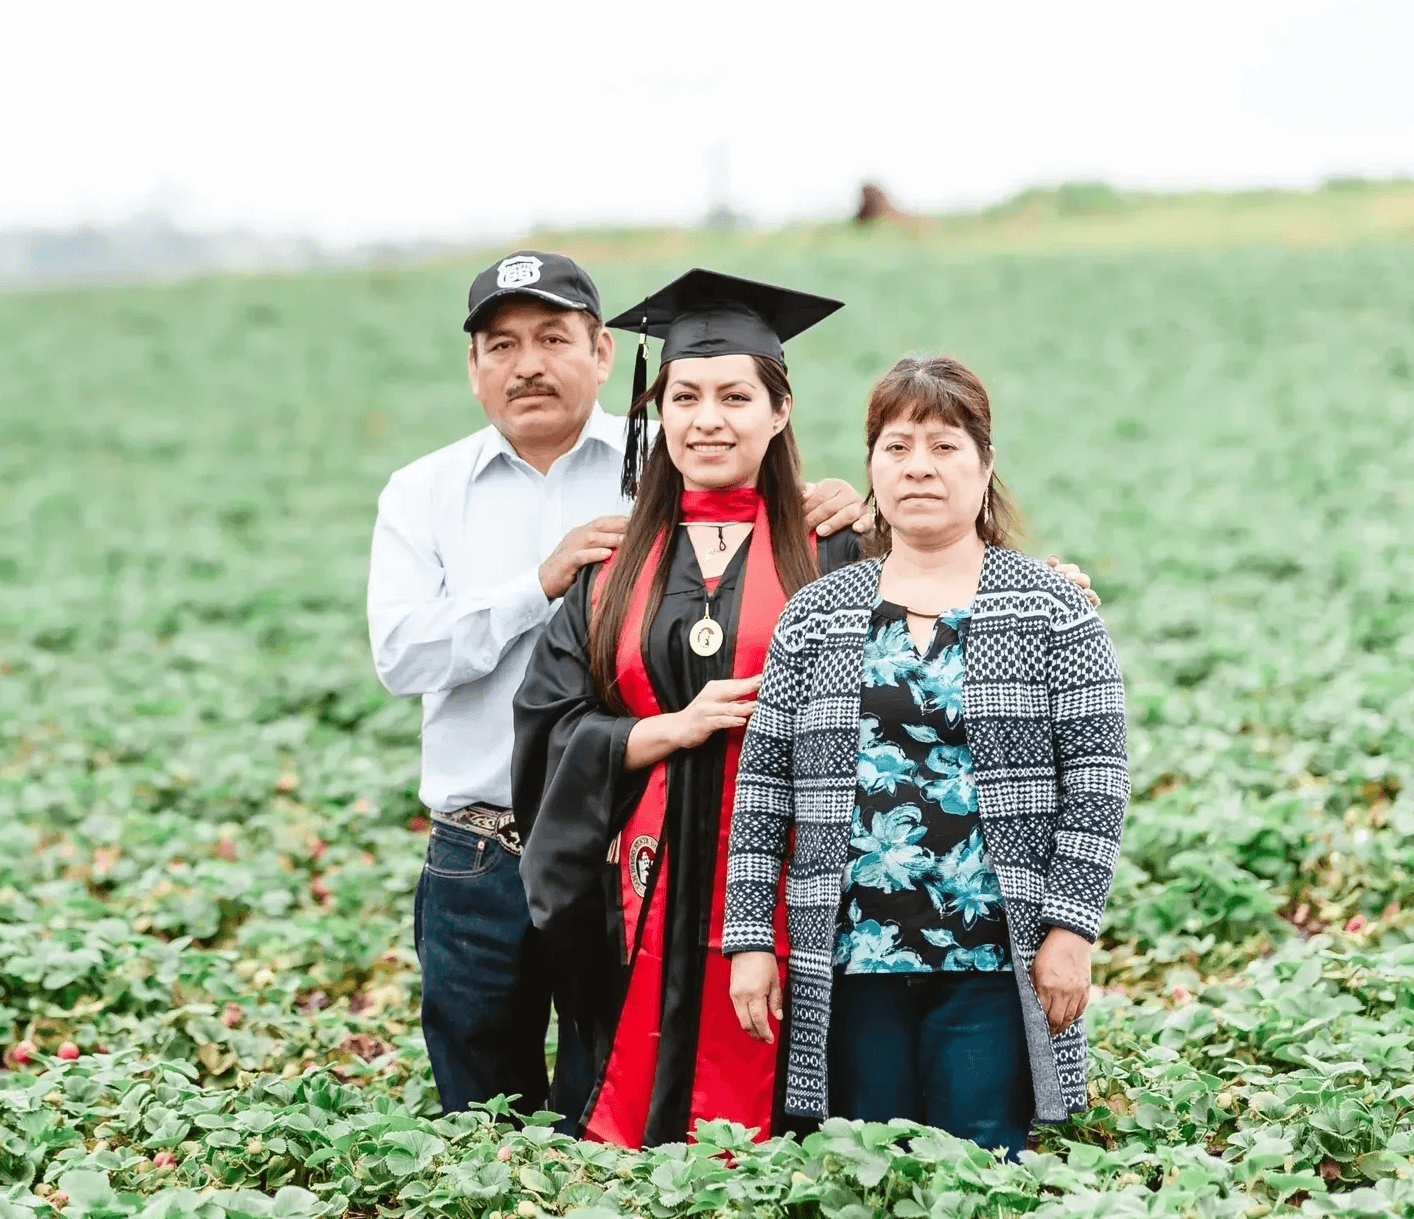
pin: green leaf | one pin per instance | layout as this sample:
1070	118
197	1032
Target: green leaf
88	1191
1284	1184
579	1194
409	1151
291	1202
322	1156
535	1181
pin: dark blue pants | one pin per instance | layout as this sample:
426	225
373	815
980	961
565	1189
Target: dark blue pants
945	1049
487	982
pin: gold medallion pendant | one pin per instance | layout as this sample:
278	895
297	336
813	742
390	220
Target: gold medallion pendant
706	635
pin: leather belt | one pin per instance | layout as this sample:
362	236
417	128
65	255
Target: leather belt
484	819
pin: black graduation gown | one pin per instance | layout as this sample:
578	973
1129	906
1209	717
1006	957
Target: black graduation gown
571	796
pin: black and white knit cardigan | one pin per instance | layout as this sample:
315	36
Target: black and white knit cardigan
1044	706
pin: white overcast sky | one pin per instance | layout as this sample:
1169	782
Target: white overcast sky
465	119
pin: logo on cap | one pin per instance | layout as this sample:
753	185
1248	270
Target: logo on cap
517	271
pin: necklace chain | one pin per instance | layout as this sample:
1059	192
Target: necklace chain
719	526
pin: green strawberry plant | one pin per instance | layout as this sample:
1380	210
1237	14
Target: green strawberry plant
208	989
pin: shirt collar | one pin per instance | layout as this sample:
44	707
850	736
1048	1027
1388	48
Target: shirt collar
600	427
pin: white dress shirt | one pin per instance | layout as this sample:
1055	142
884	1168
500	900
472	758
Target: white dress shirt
454	598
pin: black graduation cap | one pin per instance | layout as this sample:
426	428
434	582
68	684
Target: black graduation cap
706	313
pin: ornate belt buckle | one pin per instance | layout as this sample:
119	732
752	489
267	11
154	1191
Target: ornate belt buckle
507	834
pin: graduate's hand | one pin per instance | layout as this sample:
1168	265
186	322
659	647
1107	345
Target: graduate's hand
756	992
831	504
1061	975
720	704
585	544
1077	577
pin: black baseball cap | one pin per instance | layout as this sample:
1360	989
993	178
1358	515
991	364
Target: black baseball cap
553	278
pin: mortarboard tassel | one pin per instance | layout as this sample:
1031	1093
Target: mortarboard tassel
640	364
636	433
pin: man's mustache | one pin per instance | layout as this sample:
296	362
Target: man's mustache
521	389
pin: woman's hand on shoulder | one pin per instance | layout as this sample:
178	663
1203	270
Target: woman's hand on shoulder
1061	976
756	993
727	703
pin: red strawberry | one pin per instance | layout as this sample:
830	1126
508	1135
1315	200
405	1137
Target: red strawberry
68	1051
226	849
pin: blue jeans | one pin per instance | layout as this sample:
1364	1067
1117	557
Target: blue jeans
487	982
945	1049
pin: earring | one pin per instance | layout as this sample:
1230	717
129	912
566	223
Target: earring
987	506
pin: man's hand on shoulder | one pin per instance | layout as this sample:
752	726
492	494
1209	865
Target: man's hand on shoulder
1077	577
581	546
832	504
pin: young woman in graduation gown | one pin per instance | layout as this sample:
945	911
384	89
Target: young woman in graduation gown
630	720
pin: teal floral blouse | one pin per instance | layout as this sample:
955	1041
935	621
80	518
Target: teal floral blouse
918	894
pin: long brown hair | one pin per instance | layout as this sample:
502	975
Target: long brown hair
943	389
658	508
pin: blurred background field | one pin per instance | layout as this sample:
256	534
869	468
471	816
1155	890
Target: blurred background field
209	803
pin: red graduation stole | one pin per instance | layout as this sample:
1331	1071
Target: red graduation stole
734	1075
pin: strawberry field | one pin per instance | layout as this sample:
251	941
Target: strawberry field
208	993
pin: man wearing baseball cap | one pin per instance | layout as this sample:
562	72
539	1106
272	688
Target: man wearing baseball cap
473	548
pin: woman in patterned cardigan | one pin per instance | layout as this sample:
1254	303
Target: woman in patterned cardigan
943	731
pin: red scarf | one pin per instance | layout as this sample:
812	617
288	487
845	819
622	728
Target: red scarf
732	504
734	1076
